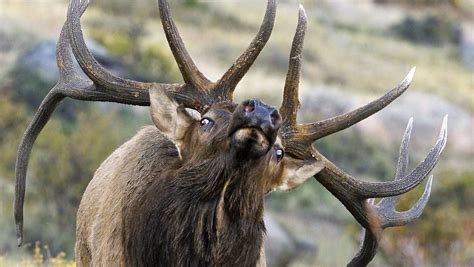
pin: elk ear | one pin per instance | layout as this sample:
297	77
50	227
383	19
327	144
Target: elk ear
296	172
169	117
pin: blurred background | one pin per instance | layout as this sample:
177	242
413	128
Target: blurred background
355	51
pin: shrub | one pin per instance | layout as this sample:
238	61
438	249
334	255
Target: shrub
445	233
431	30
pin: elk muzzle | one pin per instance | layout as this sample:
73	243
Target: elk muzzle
254	127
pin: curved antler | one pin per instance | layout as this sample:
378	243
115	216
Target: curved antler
223	89
290	106
226	85
353	193
189	71
89	65
385	213
198	93
70	84
299	137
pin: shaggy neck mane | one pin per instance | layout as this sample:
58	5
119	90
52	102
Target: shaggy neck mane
205	213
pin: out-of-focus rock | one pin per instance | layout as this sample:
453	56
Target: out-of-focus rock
466	45
281	248
35	73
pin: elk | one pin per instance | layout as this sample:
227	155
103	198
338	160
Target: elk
189	190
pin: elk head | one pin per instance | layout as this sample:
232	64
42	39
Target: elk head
202	120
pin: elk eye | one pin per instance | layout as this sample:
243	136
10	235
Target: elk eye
206	123
279	153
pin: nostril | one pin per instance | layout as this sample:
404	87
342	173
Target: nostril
275	116
249	106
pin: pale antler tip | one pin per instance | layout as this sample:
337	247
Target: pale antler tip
444	127
19	234
445	123
301	7
410	75
302	12
429	184
445	119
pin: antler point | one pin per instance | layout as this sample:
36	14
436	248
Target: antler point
410	75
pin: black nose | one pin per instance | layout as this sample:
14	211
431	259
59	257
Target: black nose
256	114
260	115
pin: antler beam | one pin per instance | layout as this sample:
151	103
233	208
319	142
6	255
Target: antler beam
99	75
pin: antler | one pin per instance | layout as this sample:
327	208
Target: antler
353	193
299	137
222	90
197	92
385	211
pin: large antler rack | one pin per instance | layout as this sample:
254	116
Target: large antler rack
197	92
353	193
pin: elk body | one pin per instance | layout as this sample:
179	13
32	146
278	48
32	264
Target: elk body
189	190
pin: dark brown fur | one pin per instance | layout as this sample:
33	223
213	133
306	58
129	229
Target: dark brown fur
203	210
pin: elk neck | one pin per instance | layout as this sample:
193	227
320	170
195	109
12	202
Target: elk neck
222	202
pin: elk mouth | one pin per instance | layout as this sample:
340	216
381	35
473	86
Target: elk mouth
251	142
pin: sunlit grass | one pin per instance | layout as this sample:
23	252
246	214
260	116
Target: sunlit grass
40	257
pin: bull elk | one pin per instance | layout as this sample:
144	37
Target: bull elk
189	191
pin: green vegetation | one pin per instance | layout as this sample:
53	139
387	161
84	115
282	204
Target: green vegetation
445	233
144	59
63	162
454	3
41	257
430	30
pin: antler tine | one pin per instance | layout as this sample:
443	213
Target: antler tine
392	218
23	156
408	182
90	66
317	130
47	107
403	157
226	85
298	138
387	216
402	163
290	105
353	193
374	218
189	71
399	186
